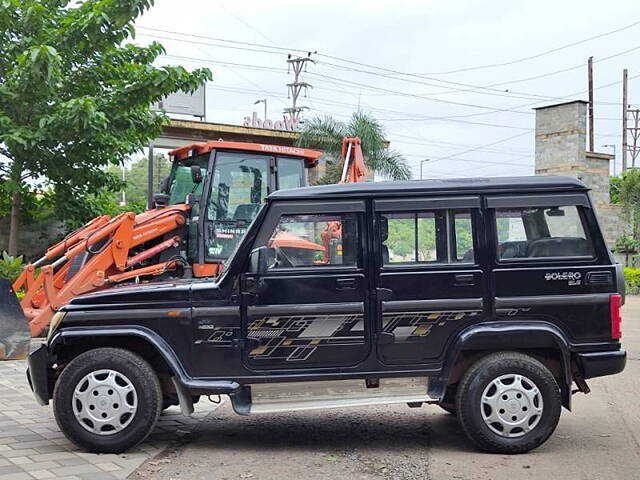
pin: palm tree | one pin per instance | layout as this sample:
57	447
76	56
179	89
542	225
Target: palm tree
326	134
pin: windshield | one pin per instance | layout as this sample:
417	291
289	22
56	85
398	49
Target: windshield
239	186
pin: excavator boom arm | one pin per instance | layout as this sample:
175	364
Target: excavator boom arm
96	256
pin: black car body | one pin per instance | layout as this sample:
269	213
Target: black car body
424	280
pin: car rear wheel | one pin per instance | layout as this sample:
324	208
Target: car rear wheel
508	402
107	400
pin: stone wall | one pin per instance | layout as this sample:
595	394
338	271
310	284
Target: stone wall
560	136
561	150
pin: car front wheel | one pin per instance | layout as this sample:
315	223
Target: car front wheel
508	402
107	400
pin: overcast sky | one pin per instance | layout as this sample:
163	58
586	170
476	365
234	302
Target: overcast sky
433	107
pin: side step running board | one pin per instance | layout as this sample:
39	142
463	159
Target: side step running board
287	397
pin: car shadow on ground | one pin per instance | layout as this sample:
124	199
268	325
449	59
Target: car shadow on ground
371	429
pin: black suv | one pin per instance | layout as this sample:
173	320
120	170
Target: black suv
489	297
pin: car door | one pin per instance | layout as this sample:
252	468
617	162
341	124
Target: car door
550	263
429	282
309	308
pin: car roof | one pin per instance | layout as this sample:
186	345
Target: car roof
453	186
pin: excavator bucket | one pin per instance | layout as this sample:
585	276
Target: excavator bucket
15	338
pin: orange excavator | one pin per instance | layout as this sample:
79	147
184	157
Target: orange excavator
204	208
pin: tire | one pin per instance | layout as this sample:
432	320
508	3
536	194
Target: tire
516	424
130	400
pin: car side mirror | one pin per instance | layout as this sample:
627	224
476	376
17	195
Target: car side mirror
258	261
196	174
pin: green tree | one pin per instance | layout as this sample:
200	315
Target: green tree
75	98
629	198
327	133
614	189
135	178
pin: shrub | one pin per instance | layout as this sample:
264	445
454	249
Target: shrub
632	280
10	267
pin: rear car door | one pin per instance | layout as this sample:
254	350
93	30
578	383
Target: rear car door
309	309
551	263
429	280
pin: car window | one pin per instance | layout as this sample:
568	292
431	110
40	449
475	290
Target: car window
539	232
437	236
315	240
290	173
463	241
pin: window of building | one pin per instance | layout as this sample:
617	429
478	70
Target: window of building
538	232
314	240
437	236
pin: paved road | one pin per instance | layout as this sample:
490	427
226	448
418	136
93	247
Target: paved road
599	440
33	447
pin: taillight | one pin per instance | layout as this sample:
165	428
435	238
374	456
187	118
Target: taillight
615	302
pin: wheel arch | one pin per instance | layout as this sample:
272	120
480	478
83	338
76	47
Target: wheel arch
542	340
70	342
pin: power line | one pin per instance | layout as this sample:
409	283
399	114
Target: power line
251	27
416	117
421	77
412	95
451	157
537	55
343	91
387	91
237	42
458	87
249	66
450	145
575	67
474	89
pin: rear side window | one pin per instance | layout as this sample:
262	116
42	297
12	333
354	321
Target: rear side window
314	240
437	236
541	232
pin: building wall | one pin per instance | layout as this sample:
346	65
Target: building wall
560	137
561	150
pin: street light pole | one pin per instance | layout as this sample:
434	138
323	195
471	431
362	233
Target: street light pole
262	100
613	145
421	163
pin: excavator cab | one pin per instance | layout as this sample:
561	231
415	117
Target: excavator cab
236	178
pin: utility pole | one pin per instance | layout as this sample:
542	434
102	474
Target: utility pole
624	120
634	149
295	88
591	136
